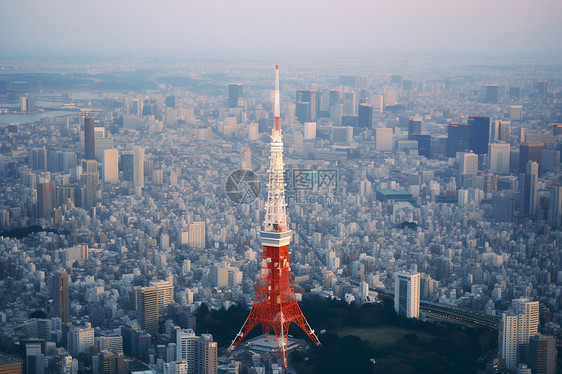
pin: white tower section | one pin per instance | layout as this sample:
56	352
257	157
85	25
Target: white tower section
275	207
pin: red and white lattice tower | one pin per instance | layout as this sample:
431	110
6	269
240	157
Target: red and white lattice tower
275	306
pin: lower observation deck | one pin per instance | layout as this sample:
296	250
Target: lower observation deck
276	239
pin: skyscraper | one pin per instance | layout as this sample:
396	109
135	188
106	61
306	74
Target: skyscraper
235	92
468	163
529	152
516	112
498	157
501	131
457	139
45	199
542	88
205	358
138	167
365	116
89	139
529	324
312	109
34	358
81	339
507	340
197	234
479	134
383	139
542	354
517	325
275	306
171	102
151	304
146	305
335	97
414	128
407	295
185	348
165	290
59	293
111	165
492	93
555	210
528	189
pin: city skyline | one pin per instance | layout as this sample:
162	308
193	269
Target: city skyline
141	222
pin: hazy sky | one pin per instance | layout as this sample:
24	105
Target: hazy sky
239	27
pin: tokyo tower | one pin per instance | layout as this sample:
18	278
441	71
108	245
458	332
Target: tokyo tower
275	306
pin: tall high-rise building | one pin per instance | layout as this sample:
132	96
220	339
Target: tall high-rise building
45	199
171	102
517	325
275	306
197	234
492	94
151	304
555	210
384	139
309	112
414	128
529	151
205	360
516	112
457	139
542	354
81	339
111	165
138	167
479	134
35	361
23	104
542	88
365	116
529	324
126	166
165	290
528	189
309	130
468	163
60	295
185	348
498	157
146	305
501	131
90	180
556	129
514	92
507	340
89	139
335	97
235	92
407	295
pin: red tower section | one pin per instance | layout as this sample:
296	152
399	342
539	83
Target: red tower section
275	306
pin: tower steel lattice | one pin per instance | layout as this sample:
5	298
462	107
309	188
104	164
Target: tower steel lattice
275	306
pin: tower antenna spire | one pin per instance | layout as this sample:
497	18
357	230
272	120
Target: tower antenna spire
275	306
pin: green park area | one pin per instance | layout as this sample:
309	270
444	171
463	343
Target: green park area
368	338
382	337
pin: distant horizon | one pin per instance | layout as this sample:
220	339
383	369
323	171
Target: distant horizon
250	28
